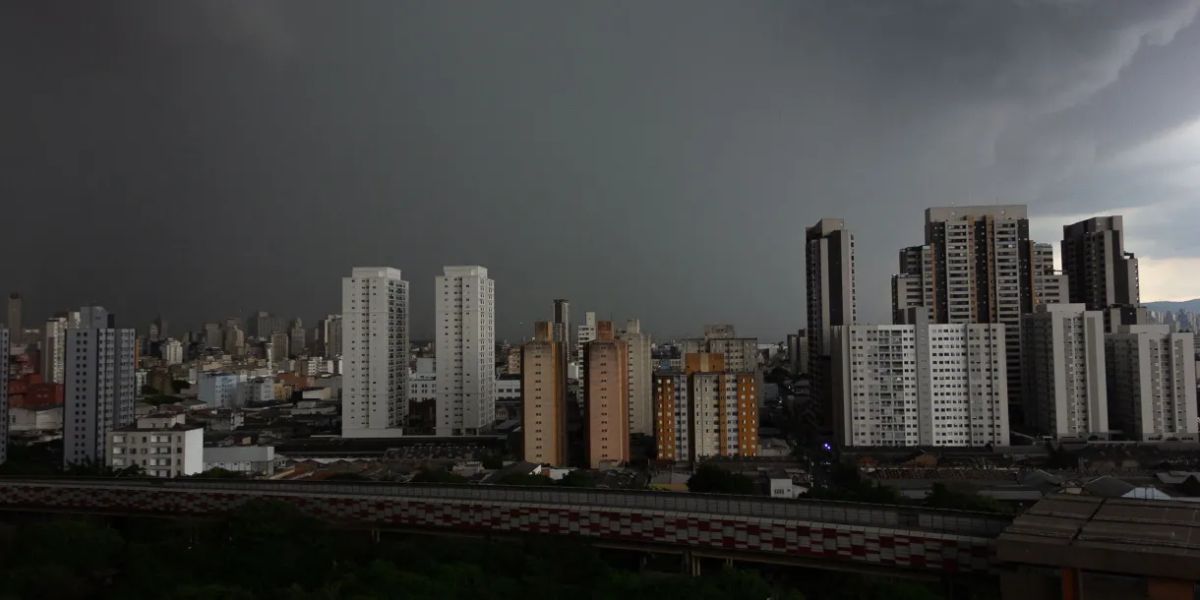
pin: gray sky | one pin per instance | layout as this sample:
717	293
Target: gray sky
644	159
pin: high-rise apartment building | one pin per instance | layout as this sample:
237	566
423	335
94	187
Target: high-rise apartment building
466	351
331	336
830	300
978	265
278	347
740	354
544	398
1151	383
375	353
100	388
171	351
297	339
4	398
641	382
606	398
705	413
15	324
562	325
920	384
1064	380
585	332
233	338
54	346
1102	275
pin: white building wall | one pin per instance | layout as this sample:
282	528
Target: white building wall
375	352
1151	383
99	390
466	342
172	351
920	384
1064	371
54	350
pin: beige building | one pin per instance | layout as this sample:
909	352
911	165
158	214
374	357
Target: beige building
544	398
641	371
705	411
606	398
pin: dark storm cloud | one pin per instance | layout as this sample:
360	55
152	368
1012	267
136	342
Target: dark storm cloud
653	160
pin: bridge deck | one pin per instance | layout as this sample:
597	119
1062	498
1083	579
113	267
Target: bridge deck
895	536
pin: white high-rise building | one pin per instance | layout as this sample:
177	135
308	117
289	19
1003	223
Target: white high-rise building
4	399
466	351
920	384
172	351
1064	371
54	342
100	386
641	378
1151	383
374	352
585	332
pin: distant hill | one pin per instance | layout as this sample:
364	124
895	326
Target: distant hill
1192	306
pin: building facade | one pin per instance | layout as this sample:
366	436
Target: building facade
1151	383
641	378
466	351
978	265
161	445
1102	274
705	411
54	340
4	398
920	384
375	352
544	398
606	398
829	298
100	388
1064	371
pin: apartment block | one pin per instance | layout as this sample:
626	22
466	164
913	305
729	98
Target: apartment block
162	445
704	414
920	384
1151	383
1063	362
374	341
544	398
606	398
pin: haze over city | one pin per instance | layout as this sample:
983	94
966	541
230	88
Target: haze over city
657	161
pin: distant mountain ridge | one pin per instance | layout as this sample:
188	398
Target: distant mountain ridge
1192	306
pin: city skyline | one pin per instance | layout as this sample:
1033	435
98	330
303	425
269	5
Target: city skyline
382	135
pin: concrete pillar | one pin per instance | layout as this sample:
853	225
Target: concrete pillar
1160	588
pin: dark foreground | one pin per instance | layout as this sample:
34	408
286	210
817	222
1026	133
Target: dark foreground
269	551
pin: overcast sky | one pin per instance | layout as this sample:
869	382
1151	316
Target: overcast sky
643	159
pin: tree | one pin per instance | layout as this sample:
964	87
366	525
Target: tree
578	479
710	479
944	497
437	476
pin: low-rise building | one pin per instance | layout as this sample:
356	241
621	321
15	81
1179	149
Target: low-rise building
162	445
250	460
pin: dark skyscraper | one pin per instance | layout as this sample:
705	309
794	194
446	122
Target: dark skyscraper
829	260
1101	274
14	317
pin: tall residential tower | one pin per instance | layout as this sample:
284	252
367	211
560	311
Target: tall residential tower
375	335
466	351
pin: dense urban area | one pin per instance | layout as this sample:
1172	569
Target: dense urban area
1002	380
